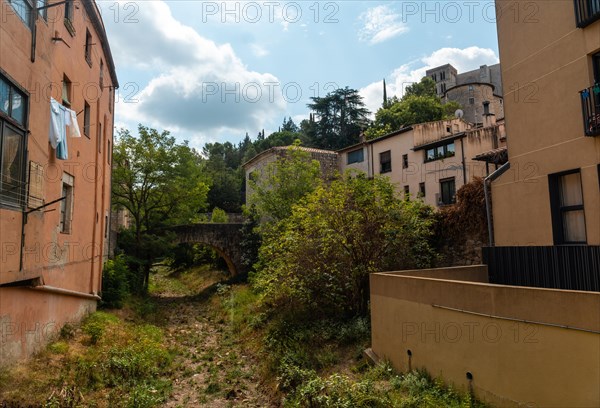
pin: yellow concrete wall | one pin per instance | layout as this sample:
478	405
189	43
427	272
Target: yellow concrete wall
448	329
545	64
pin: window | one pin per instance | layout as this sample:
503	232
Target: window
24	9
471	88
86	120
101	79
66	205
586	12
407	192
405	161
43	11
471	101
100	138
13	114
447	192
88	47
108	152
69	17
443	88
385	162
566	200
421	189
443	75
12	155
439	152
356	156
66	92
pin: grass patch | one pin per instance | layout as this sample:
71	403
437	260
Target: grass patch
108	362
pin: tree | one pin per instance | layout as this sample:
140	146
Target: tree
289	126
339	118
318	260
160	183
282	183
419	104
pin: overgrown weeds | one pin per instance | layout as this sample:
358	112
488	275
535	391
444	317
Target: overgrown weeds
108	362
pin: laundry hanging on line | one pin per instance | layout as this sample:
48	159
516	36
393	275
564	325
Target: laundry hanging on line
62	117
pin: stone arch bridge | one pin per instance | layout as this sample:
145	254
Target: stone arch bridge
226	239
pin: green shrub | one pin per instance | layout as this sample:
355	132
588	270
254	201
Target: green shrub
115	285
219	216
318	260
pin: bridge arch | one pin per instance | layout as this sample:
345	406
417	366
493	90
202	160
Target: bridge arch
226	239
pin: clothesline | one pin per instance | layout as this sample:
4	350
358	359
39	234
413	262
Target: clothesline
62	117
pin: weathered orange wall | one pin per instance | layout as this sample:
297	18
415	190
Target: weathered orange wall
69	261
454	327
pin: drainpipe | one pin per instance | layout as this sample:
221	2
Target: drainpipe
487	182
464	164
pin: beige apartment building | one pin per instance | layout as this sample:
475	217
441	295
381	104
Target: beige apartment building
549	198
551	193
429	161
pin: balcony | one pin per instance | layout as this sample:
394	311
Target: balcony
586	12
590	105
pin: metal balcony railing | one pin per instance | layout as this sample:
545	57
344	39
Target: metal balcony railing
590	105
586	12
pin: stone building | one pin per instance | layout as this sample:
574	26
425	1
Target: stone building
57	92
327	159
479	92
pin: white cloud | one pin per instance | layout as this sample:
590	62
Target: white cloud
259	51
463	60
381	23
201	86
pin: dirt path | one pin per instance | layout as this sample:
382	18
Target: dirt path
211	368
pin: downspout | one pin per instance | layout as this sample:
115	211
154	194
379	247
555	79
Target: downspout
464	165
487	182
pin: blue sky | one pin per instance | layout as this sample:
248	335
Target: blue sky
212	71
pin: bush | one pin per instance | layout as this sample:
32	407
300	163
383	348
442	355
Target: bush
115	282
219	216
319	259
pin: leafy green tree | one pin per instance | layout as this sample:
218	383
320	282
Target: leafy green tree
338	119
160	183
419	104
219	216
318	260
282	183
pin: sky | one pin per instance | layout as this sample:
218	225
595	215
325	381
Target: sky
213	71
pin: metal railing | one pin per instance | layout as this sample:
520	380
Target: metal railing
575	267
586	12
590	105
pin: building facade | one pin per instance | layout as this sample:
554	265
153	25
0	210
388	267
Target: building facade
57	87
471	90
254	167
551	193
430	161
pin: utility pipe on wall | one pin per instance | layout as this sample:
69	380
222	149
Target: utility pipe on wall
486	182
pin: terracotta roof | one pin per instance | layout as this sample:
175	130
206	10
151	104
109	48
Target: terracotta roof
496	156
284	148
